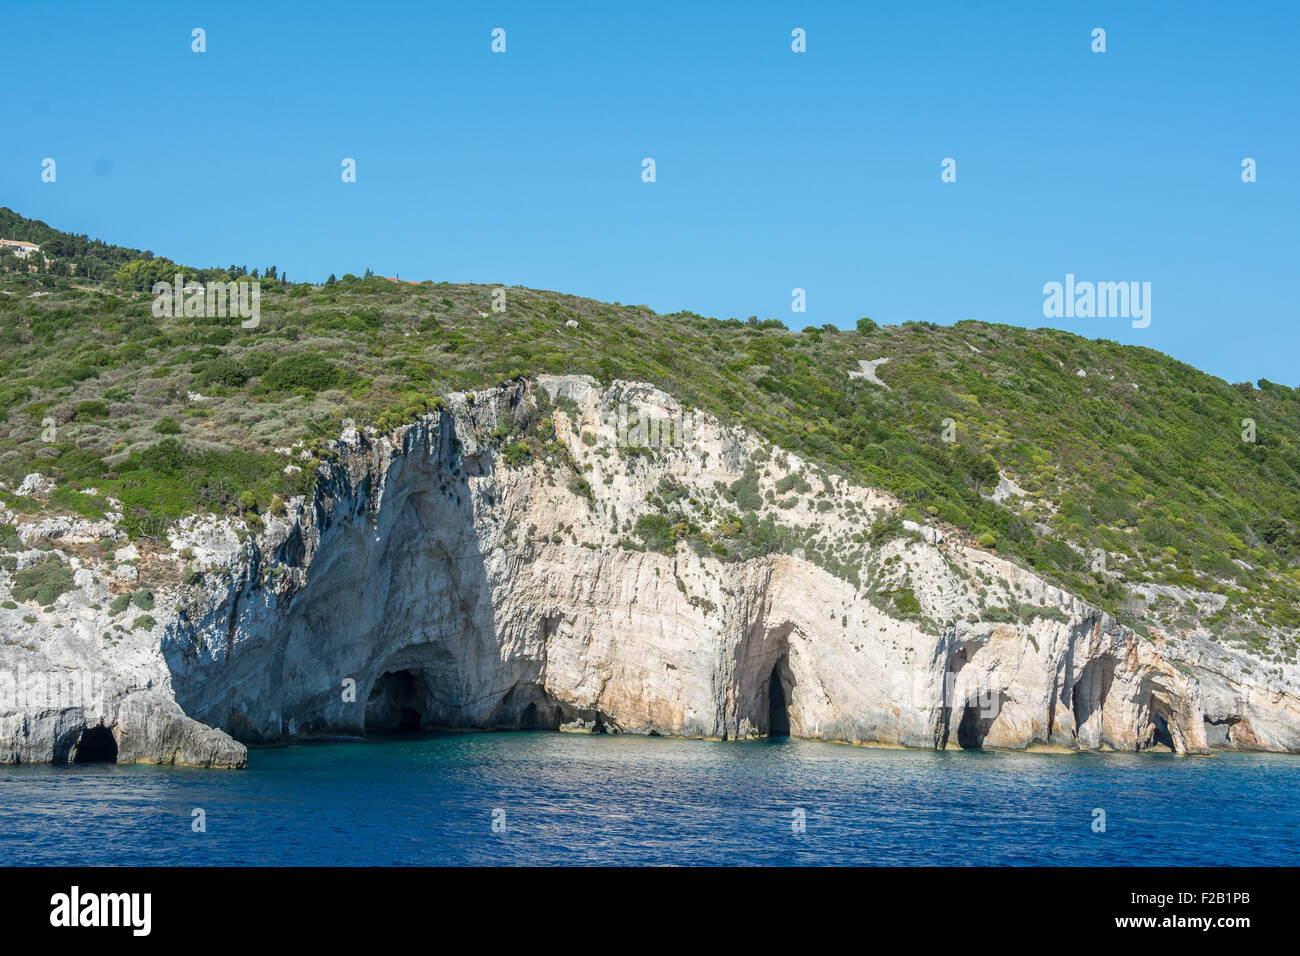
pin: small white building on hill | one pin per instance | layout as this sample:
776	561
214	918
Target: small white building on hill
19	248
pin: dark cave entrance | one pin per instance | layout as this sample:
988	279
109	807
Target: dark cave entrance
394	704
96	745
531	719
977	719
778	701
973	728
1162	736
527	706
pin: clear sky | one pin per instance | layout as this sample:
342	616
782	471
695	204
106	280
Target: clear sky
774	169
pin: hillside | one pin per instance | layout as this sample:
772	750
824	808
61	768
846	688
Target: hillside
1114	467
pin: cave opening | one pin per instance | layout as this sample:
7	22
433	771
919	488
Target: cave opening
778	705
1089	693
394	704
96	745
972	729
530	719
1163	737
977	718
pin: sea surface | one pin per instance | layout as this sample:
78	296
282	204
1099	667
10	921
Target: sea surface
549	798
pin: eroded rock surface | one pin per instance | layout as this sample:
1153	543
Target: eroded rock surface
432	581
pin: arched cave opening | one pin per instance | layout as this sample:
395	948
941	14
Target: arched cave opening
96	745
394	704
1163	738
977	719
1088	696
778	702
530	719
1160	735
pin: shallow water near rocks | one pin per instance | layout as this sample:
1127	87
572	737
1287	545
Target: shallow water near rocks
580	799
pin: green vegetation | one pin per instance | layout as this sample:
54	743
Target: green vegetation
906	602
1141	458
657	533
71	255
43	582
305	370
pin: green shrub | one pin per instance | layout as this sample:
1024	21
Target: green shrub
89	411
516	453
43	582
222	371
657	533
744	490
906	603
258	362
301	370
67	498
167	426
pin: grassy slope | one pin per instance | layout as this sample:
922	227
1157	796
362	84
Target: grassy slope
1142	457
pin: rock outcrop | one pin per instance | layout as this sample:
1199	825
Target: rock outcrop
436	578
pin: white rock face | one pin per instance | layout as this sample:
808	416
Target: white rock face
867	370
431	583
70	683
34	484
68	530
1007	490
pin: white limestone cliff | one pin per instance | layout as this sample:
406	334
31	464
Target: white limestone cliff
430	582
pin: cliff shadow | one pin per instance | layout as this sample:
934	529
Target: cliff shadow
762	685
1088	699
779	686
374	613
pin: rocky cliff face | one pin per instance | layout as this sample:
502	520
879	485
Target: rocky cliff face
440	577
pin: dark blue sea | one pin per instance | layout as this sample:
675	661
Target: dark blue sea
543	798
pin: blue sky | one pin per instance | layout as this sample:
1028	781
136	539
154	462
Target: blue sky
775	170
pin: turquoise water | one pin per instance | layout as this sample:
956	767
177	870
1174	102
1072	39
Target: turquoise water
571	799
